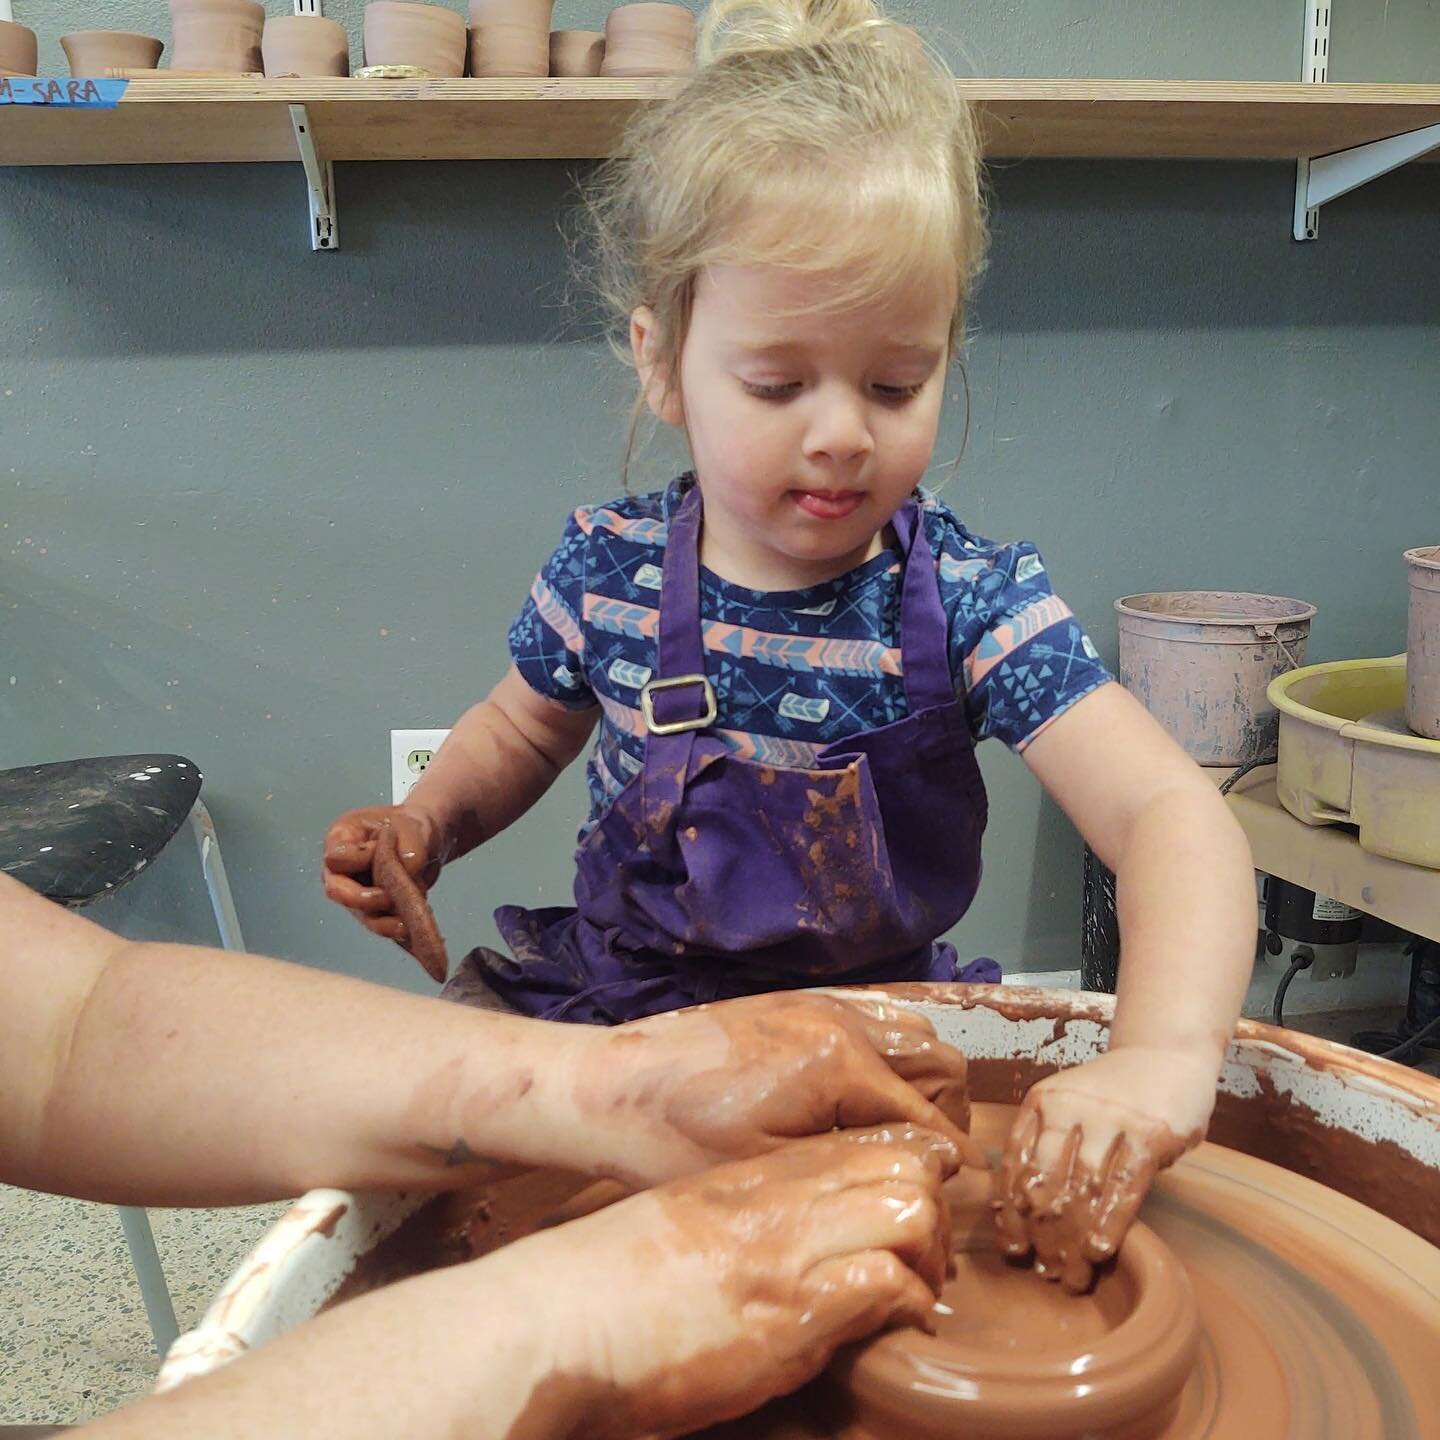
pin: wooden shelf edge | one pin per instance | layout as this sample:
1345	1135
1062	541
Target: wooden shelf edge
162	120
1328	859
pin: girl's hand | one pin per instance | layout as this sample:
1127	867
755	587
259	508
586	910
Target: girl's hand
350	853
696	1302
675	1093
1085	1148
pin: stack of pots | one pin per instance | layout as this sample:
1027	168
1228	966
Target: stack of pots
19	53
217	37
513	38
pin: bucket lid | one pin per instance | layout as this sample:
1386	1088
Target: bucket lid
1424	557
1216	607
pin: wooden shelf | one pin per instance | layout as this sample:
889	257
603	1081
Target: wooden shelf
1328	859
162	120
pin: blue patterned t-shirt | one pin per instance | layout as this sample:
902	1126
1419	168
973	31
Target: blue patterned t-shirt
794	670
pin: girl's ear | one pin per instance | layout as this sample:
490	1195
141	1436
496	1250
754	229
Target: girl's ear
661	388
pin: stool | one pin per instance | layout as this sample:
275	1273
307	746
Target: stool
76	831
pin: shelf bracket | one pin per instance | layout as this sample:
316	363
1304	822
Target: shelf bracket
1320	179
320	178
1327	177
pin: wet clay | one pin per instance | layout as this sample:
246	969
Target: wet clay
1073	1217
1272	1125
422	935
1318	1319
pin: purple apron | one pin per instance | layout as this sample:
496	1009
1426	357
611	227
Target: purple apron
713	876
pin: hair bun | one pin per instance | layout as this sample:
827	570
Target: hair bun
740	27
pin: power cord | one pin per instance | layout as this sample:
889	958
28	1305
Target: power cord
1242	771
1371	1041
1301	960
1392	1045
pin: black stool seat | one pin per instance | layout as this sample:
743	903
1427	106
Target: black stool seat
77	830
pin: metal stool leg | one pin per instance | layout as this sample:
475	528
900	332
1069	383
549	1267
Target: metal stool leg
153	1290
214	870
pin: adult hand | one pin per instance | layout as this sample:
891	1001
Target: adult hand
700	1300
671	1094
349	858
1085	1148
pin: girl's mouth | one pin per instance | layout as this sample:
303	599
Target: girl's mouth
828	504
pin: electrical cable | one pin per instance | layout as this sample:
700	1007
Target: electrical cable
1239	774
1387	1045
1302	960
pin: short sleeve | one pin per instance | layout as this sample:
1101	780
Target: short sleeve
547	640
1024	657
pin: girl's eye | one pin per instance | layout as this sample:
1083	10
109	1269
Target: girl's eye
899	392
771	392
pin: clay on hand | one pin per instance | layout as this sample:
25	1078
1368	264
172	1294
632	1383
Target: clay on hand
675	1092
422	936
698	1301
352	874
1077	1168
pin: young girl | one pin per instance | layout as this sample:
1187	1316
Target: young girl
792	650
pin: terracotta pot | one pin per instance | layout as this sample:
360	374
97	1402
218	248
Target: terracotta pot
305	45
93	52
649	39
219	35
427	37
576	52
510	37
1108	1363
19	53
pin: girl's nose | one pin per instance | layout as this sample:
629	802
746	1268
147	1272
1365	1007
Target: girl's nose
838	428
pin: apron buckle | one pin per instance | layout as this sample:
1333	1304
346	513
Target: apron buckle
676	727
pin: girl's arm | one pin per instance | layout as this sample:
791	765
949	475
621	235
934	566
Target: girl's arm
1185	893
501	757
173	1075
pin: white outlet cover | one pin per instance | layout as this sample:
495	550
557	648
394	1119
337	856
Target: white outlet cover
403	744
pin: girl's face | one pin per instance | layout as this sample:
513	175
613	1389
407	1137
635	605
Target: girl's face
808	428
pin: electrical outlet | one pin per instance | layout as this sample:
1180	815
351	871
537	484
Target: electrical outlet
410	752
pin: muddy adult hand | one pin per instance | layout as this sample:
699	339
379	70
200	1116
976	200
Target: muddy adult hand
1085	1148
674	1093
698	1301
354	853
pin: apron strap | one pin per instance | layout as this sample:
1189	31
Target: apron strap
681	655
924	630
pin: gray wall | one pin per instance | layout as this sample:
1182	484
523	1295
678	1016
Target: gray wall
258	505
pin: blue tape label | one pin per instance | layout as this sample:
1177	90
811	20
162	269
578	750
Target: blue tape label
65	94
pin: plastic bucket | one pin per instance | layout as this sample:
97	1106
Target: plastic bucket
1201	660
1422	686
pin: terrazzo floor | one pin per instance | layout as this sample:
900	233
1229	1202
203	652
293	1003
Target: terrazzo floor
74	1341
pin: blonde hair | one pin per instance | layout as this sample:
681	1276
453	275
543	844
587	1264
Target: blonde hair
821	109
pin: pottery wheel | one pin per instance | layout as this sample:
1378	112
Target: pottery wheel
1320	1318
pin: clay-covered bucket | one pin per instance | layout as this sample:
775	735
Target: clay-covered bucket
1201	660
1422	656
1360	1125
